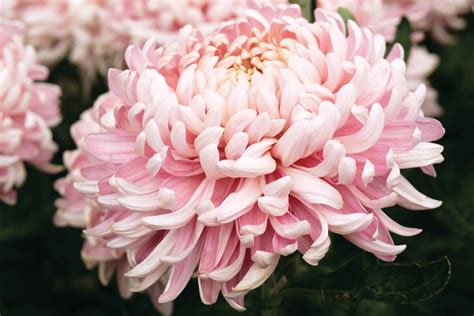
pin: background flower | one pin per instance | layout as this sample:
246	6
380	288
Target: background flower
27	111
420	65
437	17
224	152
95	34
47	26
443	18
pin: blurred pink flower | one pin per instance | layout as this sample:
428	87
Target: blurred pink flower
95	34
435	16
382	15
426	15
47	26
222	152
76	210
421	64
443	18
73	209
27	111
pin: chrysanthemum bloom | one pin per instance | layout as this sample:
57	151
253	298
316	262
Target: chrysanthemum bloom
221	153
27	111
435	16
95	34
74	209
420	65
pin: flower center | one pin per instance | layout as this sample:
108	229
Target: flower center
256	57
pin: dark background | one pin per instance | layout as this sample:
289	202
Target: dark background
41	272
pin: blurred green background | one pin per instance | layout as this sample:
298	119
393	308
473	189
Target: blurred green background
41	272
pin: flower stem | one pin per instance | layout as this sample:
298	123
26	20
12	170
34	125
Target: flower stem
269	295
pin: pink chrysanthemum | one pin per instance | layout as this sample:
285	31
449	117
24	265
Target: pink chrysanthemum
47	26
74	209
435	16
95	34
222	152
27	111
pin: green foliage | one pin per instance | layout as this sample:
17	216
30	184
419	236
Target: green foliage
403	37
307	8
346	14
368	278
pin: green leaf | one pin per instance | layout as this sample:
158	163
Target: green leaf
404	283
457	211
403	37
307	8
346	15
369	278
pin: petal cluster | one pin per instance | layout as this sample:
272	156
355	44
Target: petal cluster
27	111
219	153
76	210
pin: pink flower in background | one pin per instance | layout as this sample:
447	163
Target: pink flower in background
47	26
220	153
27	111
95	34
76	210
425	16
436	16
443	18
421	64
382	15
73	209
